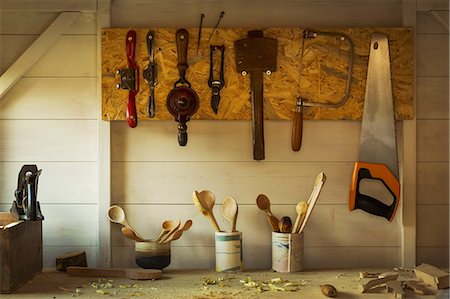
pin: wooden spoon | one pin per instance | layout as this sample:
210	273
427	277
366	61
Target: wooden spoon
318	184
301	208
175	225
205	201
263	203
230	211
129	233
285	225
166	225
117	215
177	234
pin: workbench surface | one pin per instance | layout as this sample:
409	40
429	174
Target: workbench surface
208	284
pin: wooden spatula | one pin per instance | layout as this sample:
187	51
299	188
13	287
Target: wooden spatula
320	180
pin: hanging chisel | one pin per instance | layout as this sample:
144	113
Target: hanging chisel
151	73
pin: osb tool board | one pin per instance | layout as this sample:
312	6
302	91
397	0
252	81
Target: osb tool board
322	79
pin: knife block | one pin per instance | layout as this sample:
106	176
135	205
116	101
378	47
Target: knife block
20	252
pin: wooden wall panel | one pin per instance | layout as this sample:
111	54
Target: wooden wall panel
432	183
17	44
432	55
36	22
48	140
432	225
294	181
71	56
48	5
432	140
47	98
432	97
254	13
56	179
432	136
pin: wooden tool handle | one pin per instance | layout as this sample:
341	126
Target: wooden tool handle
182	40
131	109
256	79
297	130
131	48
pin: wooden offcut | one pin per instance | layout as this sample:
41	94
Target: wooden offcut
130	273
432	276
76	258
322	79
20	252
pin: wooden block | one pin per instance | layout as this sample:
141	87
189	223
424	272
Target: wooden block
420	288
395	287
433	276
76	258
131	273
376	282
20	254
368	274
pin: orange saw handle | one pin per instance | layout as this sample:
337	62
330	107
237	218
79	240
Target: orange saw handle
381	172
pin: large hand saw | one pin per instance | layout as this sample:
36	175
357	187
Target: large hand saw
377	149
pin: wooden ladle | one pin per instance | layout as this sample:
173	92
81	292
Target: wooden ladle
263	203
205	201
127	232
117	215
230	211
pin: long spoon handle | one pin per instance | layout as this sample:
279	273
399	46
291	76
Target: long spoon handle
213	221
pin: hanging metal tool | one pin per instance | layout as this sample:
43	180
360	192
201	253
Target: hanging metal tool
377	149
222	13
216	84
297	127
129	78
200	26
151	73
256	55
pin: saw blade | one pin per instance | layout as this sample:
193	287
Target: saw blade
377	141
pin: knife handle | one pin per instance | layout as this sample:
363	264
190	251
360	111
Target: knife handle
131	109
373	171
297	131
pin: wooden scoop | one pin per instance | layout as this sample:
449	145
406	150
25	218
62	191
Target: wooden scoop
129	233
263	203
301	208
230	211
175	236
131	273
205	201
117	215
285	224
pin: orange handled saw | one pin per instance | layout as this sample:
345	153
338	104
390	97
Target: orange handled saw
377	149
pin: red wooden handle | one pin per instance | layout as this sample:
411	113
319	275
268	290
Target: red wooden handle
131	49
131	109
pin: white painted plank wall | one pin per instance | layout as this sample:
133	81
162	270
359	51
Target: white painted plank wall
153	178
50	118
432	138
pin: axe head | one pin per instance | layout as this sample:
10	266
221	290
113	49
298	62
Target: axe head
256	53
